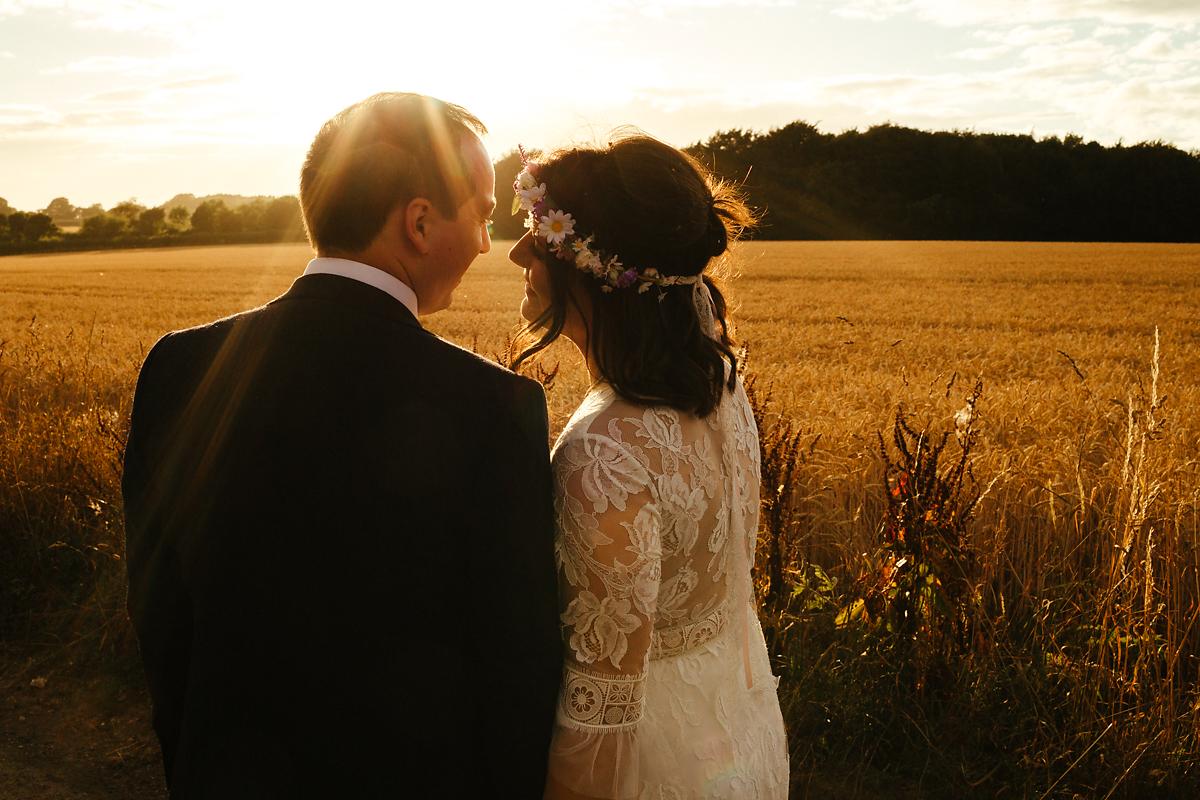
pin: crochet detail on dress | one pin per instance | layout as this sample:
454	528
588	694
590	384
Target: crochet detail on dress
598	702
679	639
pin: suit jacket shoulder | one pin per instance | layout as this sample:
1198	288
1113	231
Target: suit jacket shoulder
487	373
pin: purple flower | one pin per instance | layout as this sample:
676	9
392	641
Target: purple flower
626	278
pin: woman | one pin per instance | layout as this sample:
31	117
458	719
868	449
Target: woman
667	690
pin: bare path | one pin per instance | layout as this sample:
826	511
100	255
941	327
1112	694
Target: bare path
77	736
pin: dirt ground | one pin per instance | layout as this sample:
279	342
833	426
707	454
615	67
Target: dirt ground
72	733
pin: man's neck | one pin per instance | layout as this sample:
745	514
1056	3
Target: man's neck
369	274
390	264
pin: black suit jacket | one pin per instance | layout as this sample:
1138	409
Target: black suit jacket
339	541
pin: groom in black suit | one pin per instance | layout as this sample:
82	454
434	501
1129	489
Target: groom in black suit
339	526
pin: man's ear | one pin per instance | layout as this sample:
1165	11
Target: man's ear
417	220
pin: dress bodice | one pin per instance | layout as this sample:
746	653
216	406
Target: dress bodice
694	483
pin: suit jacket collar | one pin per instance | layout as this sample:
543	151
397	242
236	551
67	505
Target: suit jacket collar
351	293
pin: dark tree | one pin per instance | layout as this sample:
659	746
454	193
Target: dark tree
26	228
228	220
249	216
62	212
103	227
128	211
204	218
151	222
178	217
40	226
282	216
16	226
891	182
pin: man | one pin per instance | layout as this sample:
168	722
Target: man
339	525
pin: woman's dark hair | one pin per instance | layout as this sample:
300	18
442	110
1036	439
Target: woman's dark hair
653	207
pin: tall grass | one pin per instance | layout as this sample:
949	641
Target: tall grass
1017	639
61	530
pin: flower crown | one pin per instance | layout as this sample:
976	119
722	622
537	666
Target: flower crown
547	221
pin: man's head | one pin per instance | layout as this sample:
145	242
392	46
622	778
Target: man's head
401	182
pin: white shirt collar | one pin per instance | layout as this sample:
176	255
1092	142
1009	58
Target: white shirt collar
365	273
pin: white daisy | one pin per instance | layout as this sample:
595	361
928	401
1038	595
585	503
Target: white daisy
556	226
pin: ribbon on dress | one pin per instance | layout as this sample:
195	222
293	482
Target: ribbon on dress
705	310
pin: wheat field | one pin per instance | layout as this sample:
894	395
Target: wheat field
1085	580
844	330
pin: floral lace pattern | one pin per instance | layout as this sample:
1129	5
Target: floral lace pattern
667	682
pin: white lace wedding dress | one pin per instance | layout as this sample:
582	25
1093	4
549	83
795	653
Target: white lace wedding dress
667	690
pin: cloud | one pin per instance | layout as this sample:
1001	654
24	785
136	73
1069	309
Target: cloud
1066	62
1089	87
984	53
14	8
119	96
1026	35
1150	110
1155	45
1006	41
956	13
124	65
199	83
12	110
658	8
159	91
114	122
120	16
16	119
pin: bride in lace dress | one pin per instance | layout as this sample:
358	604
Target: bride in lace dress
667	690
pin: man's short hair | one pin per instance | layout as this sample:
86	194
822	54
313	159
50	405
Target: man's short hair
378	153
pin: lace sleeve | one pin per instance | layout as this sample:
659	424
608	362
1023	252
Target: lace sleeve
609	557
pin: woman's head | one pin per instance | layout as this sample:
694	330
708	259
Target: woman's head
645	221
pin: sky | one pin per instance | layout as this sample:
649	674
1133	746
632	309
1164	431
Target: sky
107	100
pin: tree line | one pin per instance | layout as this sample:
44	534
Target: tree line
892	182
888	182
62	226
